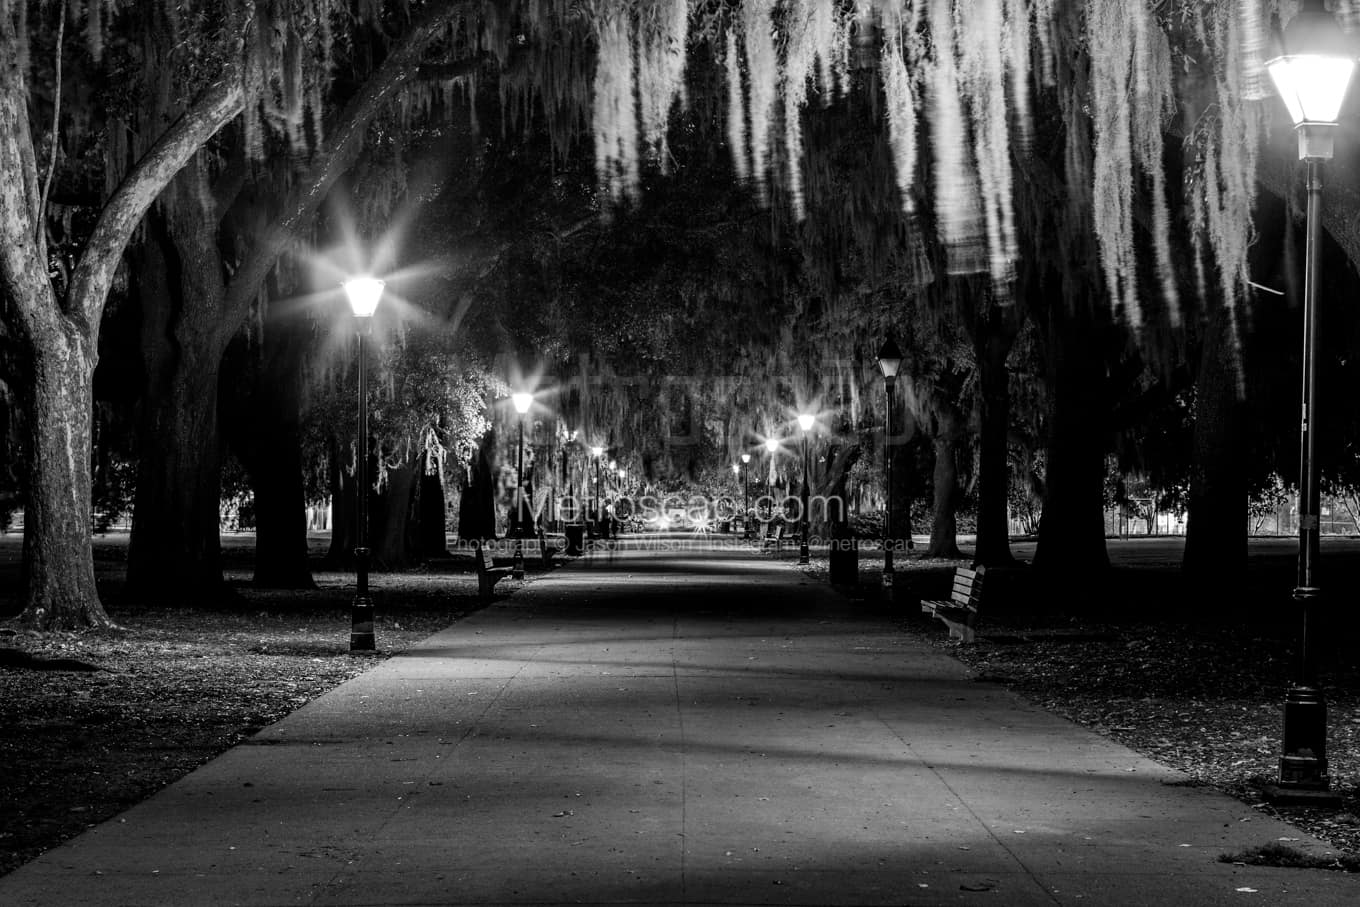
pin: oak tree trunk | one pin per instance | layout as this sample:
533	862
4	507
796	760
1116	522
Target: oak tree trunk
57	576
843	557
175	551
477	505
275	467
392	536
266	420
944	529
281	560
1072	527
993	527
342	505
1216	534
430	516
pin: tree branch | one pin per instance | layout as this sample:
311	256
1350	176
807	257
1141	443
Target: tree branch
41	236
93	274
22	276
343	146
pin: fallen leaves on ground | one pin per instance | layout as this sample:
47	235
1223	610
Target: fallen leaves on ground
1206	699
176	687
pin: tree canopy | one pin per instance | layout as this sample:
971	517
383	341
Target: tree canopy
692	217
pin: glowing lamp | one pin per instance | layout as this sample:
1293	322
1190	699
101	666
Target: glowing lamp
889	359
1312	75
363	293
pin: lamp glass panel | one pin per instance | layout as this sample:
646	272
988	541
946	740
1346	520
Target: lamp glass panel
772	444
805	422
1312	87
523	402
363	294
889	358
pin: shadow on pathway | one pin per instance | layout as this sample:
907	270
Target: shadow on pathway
679	727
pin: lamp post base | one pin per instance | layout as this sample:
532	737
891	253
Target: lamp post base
1303	765
1288	796
517	566
803	555
361	638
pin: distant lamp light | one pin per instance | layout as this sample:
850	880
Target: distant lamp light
523	401
735	469
596	451
745	458
889	359
1312	75
363	293
806	421
771	444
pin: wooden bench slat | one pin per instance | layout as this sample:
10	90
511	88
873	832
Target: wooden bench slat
960	612
487	575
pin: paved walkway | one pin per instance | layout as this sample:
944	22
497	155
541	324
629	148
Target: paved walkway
678	727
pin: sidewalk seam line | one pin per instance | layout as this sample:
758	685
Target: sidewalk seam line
680	720
976	818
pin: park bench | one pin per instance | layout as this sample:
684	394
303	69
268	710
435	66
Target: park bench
487	575
960	612
539	546
774	537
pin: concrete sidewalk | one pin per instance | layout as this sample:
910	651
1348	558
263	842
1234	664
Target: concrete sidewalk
679	727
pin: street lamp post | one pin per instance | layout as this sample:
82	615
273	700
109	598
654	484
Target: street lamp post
1312	75
889	361
522	403
805	422
363	293
736	474
745	495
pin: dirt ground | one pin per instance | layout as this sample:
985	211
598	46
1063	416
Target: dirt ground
1186	685
177	686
